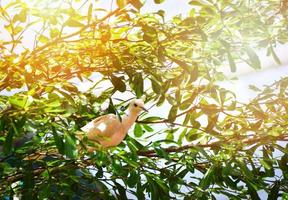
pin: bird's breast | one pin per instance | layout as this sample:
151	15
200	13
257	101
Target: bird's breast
115	139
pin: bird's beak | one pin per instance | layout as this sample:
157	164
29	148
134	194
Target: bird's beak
144	109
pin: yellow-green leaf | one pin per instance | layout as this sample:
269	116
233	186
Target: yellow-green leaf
137	4
73	23
21	17
122	3
138	132
274	55
231	62
89	15
253	57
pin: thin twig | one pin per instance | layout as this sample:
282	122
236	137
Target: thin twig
59	39
255	139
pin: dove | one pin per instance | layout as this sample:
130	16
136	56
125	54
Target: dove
108	130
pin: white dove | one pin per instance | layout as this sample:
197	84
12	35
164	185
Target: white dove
108	130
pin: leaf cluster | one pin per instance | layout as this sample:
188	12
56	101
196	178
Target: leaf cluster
206	144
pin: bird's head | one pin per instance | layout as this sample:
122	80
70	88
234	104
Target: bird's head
137	105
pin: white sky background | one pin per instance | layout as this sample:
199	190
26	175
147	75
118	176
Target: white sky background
269	73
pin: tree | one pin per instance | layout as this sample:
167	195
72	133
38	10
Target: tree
209	144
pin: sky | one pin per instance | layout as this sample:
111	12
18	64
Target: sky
269	73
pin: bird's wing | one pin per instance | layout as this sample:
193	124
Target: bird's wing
103	126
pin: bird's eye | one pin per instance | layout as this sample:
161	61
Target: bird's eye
135	105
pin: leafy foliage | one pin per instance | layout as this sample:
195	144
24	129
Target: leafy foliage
208	144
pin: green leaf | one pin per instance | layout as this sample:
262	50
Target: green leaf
203	152
212	121
138	85
54	110
118	83
187	103
22	102
157	186
265	164
73	23
68	97
254	88
121	191
132	146
285	195
70	146
153	188
161	100
170	135
274	55
18	29
198	3
7	147
246	171
129	161
122	3
274	192
58	140
195	123
159	1
147	128
252	190
137	4
186	66
112	109
194	73
210	109
140	191
89	14
231	62
43	39
172	114
138	132
207	180
117	166
133	178
21	17
255	126
135	143
151	119
161	13
253	57
182	173
230	183
54	32
181	136
192	135
162	184
150	34
156	87
28	182
161	152
201	33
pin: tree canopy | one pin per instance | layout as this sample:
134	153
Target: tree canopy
206	146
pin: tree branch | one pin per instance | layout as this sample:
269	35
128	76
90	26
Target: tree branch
166	120
36	172
249	141
57	40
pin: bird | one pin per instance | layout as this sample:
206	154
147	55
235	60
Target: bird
108	130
